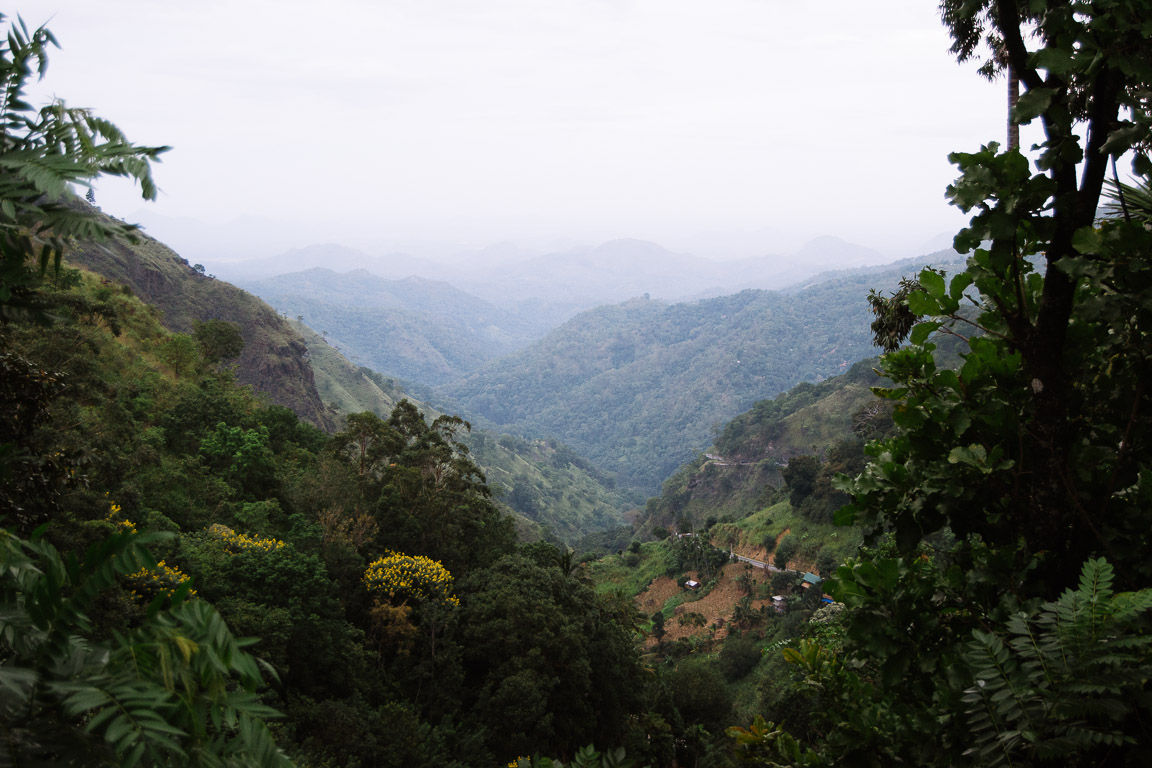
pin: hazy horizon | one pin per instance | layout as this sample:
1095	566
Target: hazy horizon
726	129
250	241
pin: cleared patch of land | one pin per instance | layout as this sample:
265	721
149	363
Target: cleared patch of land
717	606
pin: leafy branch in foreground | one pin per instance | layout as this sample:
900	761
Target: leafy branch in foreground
43	152
179	688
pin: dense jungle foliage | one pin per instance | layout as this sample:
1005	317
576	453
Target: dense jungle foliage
276	525
998	612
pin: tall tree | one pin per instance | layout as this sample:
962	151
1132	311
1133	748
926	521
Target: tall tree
1009	481
1036	280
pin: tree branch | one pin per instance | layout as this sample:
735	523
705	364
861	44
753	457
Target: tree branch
1009	21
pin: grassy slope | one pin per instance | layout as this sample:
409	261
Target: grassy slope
343	386
548	484
612	573
273	361
748	535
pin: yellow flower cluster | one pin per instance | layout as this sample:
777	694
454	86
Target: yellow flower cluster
410	576
117	519
237	542
164	580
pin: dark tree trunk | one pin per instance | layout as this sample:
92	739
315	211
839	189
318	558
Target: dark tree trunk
1013	96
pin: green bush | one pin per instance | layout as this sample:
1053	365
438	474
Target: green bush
787	549
738	657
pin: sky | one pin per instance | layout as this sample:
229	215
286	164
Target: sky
477	121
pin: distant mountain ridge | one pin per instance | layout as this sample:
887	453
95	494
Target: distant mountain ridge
545	287
332	256
617	270
416	329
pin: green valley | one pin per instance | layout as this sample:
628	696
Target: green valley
638	387
300	369
552	492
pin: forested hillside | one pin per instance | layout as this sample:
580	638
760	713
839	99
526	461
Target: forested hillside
822	427
345	387
295	539
549	484
638	387
299	368
553	492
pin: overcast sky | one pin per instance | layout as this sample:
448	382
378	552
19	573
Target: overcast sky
481	120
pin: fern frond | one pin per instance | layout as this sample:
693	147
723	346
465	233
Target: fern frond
1068	680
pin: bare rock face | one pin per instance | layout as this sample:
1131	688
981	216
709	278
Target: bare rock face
274	360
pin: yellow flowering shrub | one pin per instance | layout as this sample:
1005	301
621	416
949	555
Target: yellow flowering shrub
164	580
116	517
237	542
410	576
